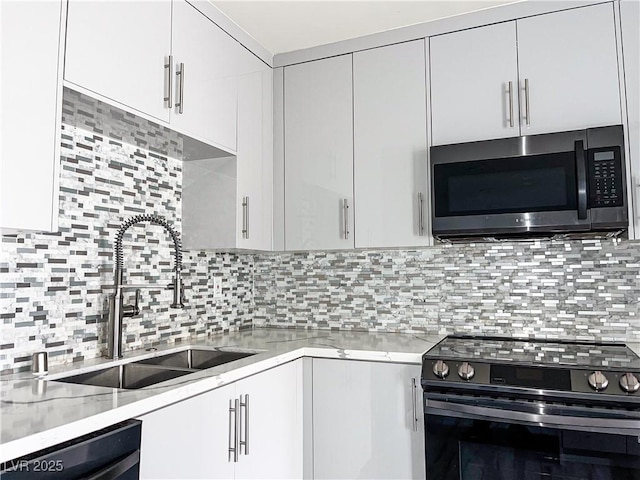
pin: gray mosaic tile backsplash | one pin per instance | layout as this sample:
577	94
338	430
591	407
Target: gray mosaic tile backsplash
588	289
54	287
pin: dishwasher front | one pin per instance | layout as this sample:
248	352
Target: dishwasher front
108	454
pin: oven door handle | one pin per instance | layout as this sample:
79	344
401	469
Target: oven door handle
565	422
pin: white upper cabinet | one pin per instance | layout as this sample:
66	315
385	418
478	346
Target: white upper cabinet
162	58
205	78
568	60
318	116
32	54
630	20
119	50
562	67
255	157
471	74
390	146
227	200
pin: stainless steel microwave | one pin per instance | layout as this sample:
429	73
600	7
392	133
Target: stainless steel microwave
538	184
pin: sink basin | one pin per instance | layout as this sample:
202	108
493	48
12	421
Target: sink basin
195	358
150	371
126	376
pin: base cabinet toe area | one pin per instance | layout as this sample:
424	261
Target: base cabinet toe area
309	418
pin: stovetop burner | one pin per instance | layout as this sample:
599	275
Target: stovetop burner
538	351
530	367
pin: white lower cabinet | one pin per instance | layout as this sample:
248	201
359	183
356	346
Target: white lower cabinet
366	420
192	438
322	419
189	439
275	425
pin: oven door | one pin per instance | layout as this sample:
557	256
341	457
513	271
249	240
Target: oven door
513	185
473	441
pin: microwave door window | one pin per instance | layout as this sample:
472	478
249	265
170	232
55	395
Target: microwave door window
516	191
510	185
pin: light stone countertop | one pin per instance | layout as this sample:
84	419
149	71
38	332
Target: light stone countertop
36	414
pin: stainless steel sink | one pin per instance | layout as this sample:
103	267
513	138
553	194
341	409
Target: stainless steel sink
196	358
130	375
150	371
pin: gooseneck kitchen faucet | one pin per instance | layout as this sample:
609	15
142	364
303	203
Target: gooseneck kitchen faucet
117	308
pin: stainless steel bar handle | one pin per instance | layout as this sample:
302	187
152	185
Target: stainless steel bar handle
180	103
414	404
245	443
245	217
566	422
511	104
345	206
420	215
236	436
526	101
168	95
233	424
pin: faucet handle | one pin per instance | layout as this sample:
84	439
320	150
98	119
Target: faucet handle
183	298
136	305
132	310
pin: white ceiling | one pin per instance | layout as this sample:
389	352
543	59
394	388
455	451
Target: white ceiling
284	26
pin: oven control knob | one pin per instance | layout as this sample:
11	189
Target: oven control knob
440	369
466	371
629	383
598	381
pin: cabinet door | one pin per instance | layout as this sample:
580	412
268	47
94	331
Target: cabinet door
210	203
470	75
630	20
569	60
255	157
31	99
209	80
367	421
119	50
390	145
319	154
274	429
189	439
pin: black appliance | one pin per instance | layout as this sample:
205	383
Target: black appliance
538	184
112	453
505	409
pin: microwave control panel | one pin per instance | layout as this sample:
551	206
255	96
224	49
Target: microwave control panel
605	177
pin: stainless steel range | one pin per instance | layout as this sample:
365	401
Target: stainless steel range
507	409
